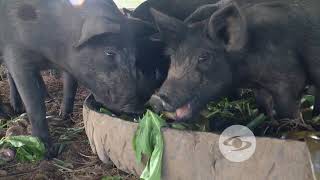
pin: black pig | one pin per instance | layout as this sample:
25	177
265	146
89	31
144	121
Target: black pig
92	41
272	47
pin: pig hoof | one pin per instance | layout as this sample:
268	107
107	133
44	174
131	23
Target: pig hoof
52	151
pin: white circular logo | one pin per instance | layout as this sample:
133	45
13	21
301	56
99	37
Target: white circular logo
237	143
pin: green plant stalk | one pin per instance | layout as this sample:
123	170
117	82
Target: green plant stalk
256	122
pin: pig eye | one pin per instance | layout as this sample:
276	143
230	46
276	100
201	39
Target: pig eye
204	57
109	52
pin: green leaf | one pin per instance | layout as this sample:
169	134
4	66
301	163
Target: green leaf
257	121
307	101
28	148
178	126
105	111
148	142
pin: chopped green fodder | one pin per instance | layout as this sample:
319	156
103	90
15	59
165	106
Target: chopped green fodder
27	148
148	142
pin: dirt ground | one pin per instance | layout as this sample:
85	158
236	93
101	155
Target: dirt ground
76	160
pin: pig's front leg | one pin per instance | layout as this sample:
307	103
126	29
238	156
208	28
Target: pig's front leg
22	66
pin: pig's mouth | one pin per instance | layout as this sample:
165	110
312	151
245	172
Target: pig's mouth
180	114
174	112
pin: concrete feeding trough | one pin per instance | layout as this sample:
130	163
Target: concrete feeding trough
195	155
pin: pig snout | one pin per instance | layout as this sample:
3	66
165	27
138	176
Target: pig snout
161	103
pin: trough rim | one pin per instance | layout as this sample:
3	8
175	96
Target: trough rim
88	104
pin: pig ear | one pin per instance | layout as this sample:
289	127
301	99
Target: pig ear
201	13
229	25
127	12
141	28
171	29
94	26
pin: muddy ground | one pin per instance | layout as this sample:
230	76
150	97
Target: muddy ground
76	160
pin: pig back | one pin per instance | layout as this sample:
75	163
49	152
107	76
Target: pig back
47	26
